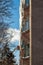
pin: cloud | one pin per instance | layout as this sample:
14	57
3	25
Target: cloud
15	34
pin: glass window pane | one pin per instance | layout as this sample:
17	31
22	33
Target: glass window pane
26	25
27	2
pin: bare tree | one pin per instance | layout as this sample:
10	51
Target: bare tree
5	11
5	37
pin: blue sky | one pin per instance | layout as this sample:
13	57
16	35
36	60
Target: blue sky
17	52
14	9
15	18
14	27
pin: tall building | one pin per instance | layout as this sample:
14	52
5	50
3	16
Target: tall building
25	33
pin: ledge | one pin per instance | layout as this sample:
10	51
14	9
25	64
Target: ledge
26	57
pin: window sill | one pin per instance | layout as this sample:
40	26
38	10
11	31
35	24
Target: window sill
26	57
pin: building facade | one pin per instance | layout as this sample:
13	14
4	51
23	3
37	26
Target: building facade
25	33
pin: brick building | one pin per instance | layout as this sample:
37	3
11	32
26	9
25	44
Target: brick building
25	33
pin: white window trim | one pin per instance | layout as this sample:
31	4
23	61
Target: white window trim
26	57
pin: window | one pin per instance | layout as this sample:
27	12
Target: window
22	5
25	25
26	2
23	44
26	48
0	55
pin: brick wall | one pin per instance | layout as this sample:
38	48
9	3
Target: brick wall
25	61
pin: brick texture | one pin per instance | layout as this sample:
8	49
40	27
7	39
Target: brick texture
25	61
